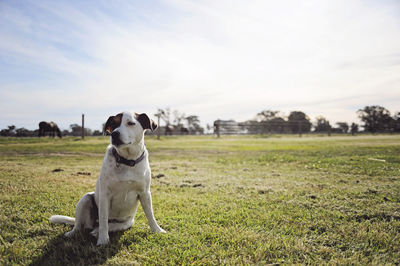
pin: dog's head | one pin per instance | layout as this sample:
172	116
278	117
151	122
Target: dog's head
126	128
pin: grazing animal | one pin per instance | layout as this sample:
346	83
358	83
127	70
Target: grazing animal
124	181
50	128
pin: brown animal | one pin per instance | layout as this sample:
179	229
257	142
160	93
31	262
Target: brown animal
50	128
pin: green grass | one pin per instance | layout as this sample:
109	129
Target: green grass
233	200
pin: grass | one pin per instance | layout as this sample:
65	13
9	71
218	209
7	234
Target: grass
233	200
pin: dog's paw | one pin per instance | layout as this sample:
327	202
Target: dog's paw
103	240
158	230
69	234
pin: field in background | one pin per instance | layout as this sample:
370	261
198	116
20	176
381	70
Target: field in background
233	200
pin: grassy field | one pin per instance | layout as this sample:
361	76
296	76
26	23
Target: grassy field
233	200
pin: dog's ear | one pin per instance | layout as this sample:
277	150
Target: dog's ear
112	123
146	122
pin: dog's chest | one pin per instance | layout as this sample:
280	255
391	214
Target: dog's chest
123	193
126	178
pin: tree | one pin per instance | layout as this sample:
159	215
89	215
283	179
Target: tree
9	132
277	125
180	123
266	115
266	121
165	115
97	133
193	122
76	130
209	128
343	126
23	132
376	118
178	118
396	120
299	122
353	128
322	125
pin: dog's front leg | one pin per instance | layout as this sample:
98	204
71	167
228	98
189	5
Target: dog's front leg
103	217
145	200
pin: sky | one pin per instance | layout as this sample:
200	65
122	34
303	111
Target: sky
215	59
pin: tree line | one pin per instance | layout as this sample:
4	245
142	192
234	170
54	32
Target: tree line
177	123
74	130
374	119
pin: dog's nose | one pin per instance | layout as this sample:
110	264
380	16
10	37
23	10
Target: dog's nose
115	140
115	134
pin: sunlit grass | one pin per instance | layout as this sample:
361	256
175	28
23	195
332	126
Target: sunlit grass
233	200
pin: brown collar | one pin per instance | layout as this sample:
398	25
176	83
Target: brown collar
119	159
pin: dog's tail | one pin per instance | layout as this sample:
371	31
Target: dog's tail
61	219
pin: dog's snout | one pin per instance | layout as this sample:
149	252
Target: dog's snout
115	138
115	134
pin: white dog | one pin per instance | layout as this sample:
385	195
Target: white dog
124	181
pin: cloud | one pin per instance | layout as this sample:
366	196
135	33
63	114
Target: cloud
217	59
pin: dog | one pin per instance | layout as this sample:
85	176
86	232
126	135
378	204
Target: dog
124	181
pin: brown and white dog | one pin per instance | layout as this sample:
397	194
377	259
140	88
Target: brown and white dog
124	181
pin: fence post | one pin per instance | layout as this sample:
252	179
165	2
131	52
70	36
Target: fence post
158	129
83	126
159	113
216	127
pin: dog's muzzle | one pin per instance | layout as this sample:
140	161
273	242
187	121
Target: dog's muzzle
115	139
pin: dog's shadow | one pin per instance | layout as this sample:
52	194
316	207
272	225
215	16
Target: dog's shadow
79	250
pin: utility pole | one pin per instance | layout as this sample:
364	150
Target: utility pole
216	127
158	123
159	113
83	126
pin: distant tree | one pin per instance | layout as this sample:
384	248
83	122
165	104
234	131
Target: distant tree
322	125
97	133
179	123
9	132
178	118
266	121
252	127
396	120
209	128
88	132
76	130
343	126
165	115
193	122
376	118
266	115
353	128
23	132
277	125
299	122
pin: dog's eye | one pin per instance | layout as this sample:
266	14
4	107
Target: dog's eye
131	123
